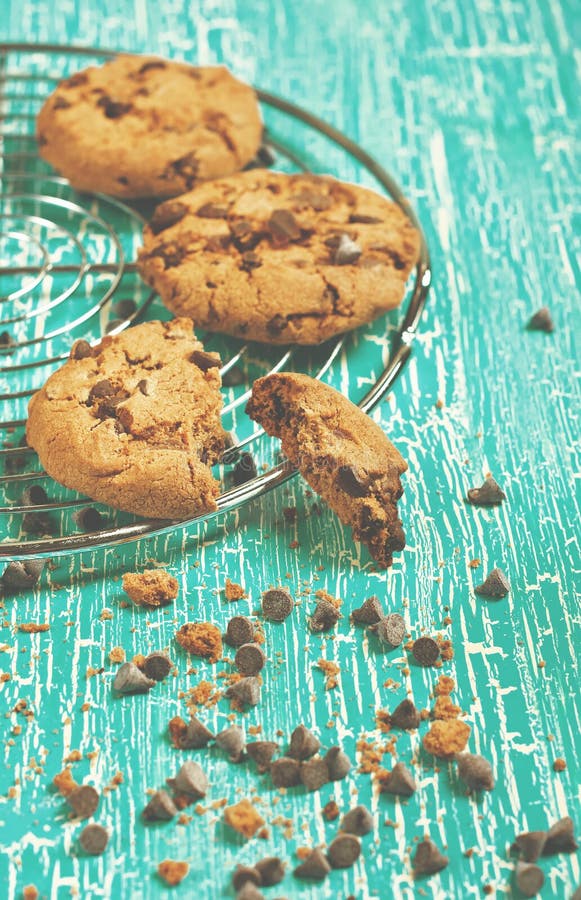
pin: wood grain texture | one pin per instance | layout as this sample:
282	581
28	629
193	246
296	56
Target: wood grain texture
474	108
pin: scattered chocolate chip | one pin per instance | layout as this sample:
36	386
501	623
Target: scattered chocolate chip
250	261
541	321
113	109
369	613
243	236
357	821
283	227
475	771
205	361
495	585
37	523
347	252
83	801
34	495
166	215
212	211
94	839
560	838
18	576
131	680
249	659
489	494
361	218
245	691
315	867
157	666
426	651
352	481
338	763
343	851
314	773
303	743
6	340
89	519
231	741
81	350
261	752
249	891
196	735
428	859
530	844
405	716
285	772
529	878
325	616
399	782
160	808
191	780
390	630
277	604
243	875
245	469
271	870
239	631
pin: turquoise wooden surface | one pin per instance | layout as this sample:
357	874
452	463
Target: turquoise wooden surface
474	109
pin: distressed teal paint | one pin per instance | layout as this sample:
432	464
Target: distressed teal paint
474	108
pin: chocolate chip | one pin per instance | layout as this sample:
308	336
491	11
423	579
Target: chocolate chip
243	236
76	80
315	867
261	752
495	585
81	350
131	680
249	659
191	780
325	616
186	167
83	801
285	772
166	215
101	390
196	735
405	716
171	254
314	773
426	651
212	211
18	576
361	218
94	839
276	325
390	630
216	244
303	743
231	741
560	838
347	252
343	851
428	859
239	631
89	519
277	604
113	109
541	321
6	340
369	613
205	361
250	261
143	387
245	691
245	469
271	870
264	159
244	875
157	666
357	821
318	202
399	782
530	844
151	64
352	481
37	523
489	494
283	227
529	878
160	808
338	763
249	891
475	771
34	495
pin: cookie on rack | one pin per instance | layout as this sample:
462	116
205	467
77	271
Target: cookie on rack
141	126
134	421
279	258
342	453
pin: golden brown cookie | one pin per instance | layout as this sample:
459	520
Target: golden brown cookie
134	421
142	126
341	452
279	258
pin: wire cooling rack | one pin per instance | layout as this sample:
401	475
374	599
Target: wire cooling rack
67	271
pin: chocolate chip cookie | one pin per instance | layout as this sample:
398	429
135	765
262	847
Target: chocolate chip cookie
279	258
341	452
145	127
134	422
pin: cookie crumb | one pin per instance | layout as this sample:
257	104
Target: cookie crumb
30	892
172	871
446	737
233	591
33	627
330	670
153	587
330	811
201	639
559	765
243	818
117	655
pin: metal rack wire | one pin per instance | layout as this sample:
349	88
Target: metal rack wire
67	271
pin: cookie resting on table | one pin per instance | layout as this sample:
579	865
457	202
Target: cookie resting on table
279	258
341	452
134	421
142	126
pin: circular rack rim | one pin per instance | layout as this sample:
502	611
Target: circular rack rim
399	352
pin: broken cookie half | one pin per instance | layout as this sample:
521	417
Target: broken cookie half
340	451
134	421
